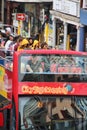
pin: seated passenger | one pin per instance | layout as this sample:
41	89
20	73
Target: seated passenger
34	65
53	64
46	61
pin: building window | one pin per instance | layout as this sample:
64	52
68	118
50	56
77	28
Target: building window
85	4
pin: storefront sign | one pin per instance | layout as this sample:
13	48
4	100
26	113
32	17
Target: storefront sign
20	16
67	6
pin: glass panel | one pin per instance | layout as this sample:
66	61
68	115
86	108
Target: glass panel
41	67
53	64
53	113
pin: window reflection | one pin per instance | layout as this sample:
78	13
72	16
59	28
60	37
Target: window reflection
45	113
53	68
54	64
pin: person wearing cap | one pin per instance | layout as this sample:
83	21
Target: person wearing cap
7	32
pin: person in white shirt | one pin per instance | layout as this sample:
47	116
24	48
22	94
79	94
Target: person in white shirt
9	43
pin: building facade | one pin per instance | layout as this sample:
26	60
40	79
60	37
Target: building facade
1	11
83	17
36	13
68	27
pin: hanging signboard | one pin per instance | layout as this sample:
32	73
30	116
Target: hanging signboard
67	6
20	16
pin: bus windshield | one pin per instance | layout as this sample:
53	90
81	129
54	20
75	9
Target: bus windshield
52	68
52	113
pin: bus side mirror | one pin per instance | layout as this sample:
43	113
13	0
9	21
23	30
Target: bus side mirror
1	119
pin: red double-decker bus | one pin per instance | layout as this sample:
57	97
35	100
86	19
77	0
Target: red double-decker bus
49	90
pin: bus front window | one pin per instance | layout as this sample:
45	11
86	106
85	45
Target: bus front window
52	113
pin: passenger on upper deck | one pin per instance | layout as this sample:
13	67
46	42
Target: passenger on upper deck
8	31
2	38
44	45
9	44
46	61
34	64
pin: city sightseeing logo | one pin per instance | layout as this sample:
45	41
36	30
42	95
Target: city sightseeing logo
67	88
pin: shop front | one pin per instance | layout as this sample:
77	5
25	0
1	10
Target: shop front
83	20
67	28
34	22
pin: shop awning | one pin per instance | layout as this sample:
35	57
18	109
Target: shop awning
39	1
4	103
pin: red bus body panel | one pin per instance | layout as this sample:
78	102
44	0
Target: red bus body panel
43	88
52	88
1	119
